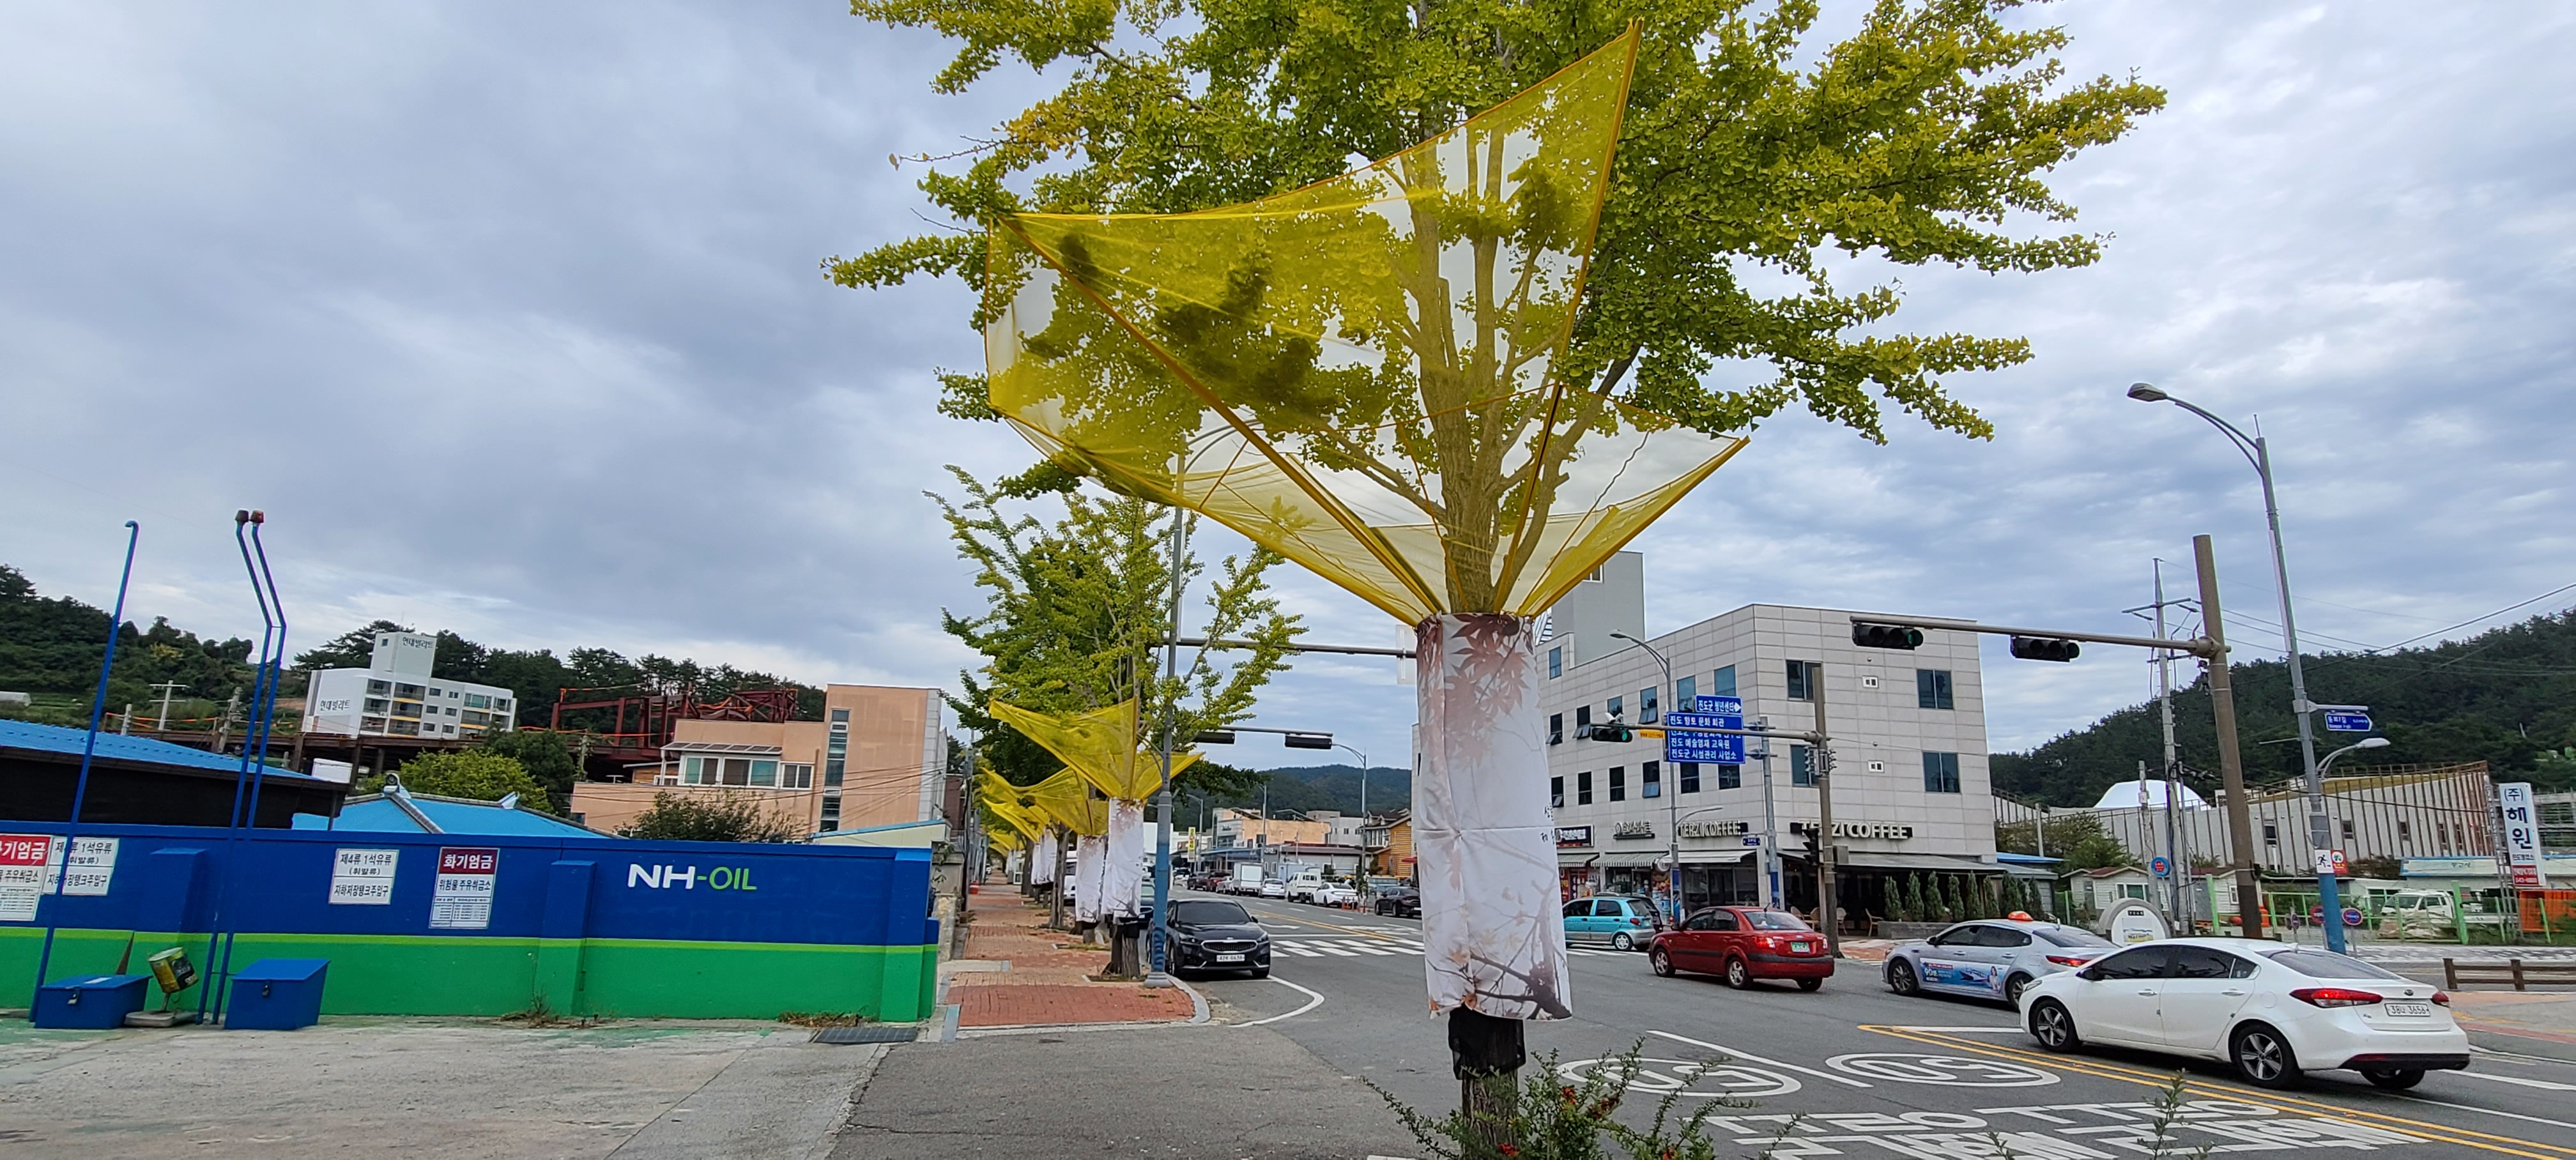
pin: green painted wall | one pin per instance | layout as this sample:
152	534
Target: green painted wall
455	975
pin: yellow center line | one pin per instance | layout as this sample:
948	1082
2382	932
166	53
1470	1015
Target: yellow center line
2104	1069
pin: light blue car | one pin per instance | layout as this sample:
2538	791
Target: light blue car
1991	958
1620	921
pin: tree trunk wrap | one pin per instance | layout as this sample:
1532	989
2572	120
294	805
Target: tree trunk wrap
1493	930
1124	870
1090	866
1042	861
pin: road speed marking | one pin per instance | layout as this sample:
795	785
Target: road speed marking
1941	1070
1690	1077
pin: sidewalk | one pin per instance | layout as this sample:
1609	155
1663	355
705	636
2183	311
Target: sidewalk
1016	974
2522	1022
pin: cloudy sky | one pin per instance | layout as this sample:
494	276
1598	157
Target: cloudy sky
510	318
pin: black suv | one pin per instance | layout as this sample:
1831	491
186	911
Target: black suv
1400	901
1213	934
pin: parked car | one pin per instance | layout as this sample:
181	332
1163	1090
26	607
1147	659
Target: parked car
1215	934
1302	888
1333	894
1744	943
1273	889
2270	1010
1991	958
1399	901
1623	921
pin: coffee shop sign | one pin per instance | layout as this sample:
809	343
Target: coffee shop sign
1888	830
1711	829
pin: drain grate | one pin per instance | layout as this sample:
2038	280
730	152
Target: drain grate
866	1034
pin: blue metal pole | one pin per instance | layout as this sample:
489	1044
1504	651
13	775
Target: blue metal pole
89	745
213	985
264	715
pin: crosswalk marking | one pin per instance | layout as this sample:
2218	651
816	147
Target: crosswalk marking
1314	948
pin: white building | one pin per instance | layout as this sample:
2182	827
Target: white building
1910	791
394	696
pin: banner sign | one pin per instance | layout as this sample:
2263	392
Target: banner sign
363	877
462	899
2521	835
23	859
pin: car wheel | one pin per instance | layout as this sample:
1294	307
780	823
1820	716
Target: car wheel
2395	1081
2013	987
1621	942
1661	960
2054	1026
1811	984
1900	978
2262	1057
1739	974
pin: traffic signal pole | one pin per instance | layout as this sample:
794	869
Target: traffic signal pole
1823	766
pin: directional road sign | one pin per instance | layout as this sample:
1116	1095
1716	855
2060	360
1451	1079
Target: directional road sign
1704	748
1731	706
2348	722
1703	721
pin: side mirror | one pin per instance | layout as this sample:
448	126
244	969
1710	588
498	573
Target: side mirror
2090	974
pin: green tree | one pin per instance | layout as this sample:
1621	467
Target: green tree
723	817
545	758
1915	907
1745	174
1074	617
467	774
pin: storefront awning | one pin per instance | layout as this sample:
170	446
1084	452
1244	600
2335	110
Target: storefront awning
1566	858
1946	863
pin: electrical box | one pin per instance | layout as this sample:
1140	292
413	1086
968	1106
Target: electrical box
93	1003
277	995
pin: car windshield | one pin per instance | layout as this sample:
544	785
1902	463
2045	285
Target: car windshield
2329	965
1775	920
1195	913
2068	936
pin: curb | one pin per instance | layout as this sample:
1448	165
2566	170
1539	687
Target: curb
1198	1002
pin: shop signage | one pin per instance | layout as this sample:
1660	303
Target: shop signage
1573	836
363	877
1631	830
2521	835
1891	831
1710	829
462	897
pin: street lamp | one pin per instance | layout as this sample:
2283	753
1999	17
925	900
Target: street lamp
1364	814
2364	743
2259	454
1672	800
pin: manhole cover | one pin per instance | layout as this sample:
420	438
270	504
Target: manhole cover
866	1034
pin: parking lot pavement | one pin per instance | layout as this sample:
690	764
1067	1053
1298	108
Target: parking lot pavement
466	1088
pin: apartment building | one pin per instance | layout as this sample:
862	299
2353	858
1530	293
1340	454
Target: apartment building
1909	785
395	696
879	757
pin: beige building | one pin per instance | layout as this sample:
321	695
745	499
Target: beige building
879	757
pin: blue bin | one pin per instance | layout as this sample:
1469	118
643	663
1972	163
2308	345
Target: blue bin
277	995
91	1002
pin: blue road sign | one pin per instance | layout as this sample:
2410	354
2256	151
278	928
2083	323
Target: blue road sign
1752	839
2351	916
2160	867
1704	748
1703	721
2348	722
1731	706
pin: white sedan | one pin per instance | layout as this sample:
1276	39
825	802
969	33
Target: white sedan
1273	889
2268	1009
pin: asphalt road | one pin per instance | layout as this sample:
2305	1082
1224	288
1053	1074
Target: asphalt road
1856	1070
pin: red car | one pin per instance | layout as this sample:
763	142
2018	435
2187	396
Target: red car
1744	943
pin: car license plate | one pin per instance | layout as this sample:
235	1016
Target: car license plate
1229	958
2411	1010
1799	948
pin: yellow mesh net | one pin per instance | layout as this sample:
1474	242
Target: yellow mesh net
1099	746
1356	374
1064	800
1004	801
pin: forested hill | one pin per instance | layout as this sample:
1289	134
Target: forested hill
2506	697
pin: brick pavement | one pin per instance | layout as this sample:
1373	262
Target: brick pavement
1044	983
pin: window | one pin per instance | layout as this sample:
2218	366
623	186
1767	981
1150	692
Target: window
689	768
1775	920
1940	773
1650	780
379	688
1556	728
1803	678
1802	766
1618	783
433	690
1556	662
1932	689
1645	706
408	692
473	717
2317	964
795	775
764	771
2003	937
2145	962
1721	920
1583	788
1722	682
2072	936
2191	962
2271	834
1689	776
378	704
831	813
1579	908
1618	707
1730	777
2347	829
477	701
1685	694
1582	719
1556	792
836	749
2405	830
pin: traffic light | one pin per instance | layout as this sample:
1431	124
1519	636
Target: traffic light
1214	737
2034	648
1610	732
1887	636
1308	741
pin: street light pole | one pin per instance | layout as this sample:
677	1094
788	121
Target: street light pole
2320	835
1160	936
1672	800
1364	814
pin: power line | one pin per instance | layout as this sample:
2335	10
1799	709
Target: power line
2475	619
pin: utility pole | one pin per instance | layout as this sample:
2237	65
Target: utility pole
224	728
167	688
1770	827
2178	871
1156	975
2231	765
1823	766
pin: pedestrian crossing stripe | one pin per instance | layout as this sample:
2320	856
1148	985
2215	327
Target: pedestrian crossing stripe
1351	948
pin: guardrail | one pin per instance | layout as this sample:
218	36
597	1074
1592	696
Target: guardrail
2514	971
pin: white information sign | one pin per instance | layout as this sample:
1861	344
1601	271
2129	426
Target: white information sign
93	867
363	877
462	900
2521	835
23	858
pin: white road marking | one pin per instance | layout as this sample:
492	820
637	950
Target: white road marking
2487	1111
1330	949
1752	1058
1298	949
1942	1070
1314	1001
2538	1083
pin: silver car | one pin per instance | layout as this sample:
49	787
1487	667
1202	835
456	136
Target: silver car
1991	958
